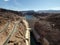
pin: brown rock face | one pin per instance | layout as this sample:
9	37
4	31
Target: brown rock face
51	23
7	23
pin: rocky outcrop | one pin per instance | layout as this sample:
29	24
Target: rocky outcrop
51	23
7	24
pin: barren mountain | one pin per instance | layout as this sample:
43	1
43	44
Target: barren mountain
12	28
52	23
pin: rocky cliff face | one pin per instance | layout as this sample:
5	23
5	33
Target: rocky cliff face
7	24
52	23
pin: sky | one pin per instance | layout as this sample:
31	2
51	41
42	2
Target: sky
30	4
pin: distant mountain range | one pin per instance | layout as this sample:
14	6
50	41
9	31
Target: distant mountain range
32	11
48	11
41	11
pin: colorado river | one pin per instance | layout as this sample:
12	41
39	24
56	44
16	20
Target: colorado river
32	38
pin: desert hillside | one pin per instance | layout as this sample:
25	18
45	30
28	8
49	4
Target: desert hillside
52	23
12	28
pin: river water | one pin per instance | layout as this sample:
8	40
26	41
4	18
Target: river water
28	17
32	38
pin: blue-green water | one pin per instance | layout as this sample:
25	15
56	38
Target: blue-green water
32	38
29	16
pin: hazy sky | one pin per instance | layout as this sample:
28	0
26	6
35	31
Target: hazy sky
30	4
